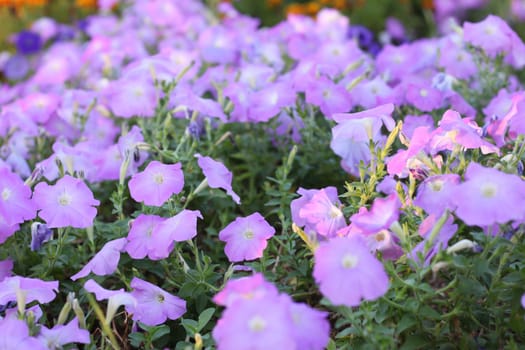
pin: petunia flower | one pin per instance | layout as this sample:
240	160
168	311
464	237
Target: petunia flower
141	242
67	203
250	287
105	262
16	205
423	255
116	298
181	227
323	213
489	196
263	323
40	234
347	272
217	175
28	42
60	335
311	329
436	193
15	335
383	213
157	183
154	305
30	289
246	237
6	268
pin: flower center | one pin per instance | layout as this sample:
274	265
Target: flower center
248	234
158	178
423	93
160	298
349	261
257	324
64	199
380	237
335	212
488	190
6	193
436	186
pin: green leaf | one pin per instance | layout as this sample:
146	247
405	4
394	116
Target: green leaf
190	326
406	322
414	342
205	317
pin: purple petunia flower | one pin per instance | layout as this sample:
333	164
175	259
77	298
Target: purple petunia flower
250	287
154	305
247	323
105	262
157	183
436	193
32	288
16	67
440	241
116	298
60	335
217	175
40	234
181	227
246	237
263	323
6	268
311	330
347	272
489	196
28	42
16	205
15	335
67	203
141	242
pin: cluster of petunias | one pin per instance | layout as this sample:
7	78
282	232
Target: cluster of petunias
95	98
257	316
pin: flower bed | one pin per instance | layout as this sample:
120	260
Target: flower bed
171	178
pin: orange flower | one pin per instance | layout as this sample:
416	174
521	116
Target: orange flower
86	3
274	3
428	4
312	8
295	9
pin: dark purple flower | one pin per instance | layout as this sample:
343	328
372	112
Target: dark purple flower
28	42
40	234
16	67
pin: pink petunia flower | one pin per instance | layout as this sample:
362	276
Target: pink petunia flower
347	272
157	183
323	213
383	213
105	262
67	203
154	305
218	175
246	237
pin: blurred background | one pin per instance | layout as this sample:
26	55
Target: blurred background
418	18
